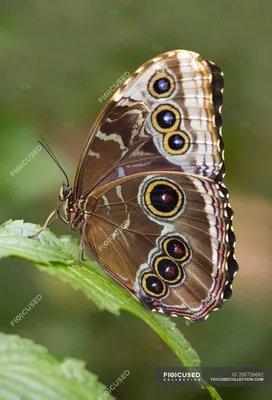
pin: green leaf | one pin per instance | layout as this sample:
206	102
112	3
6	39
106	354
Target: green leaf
58	256
29	372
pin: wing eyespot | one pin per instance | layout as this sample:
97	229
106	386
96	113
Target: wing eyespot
163	198
161	85
176	143
165	118
168	270
153	285
177	249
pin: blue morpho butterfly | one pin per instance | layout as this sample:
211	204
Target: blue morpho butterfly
148	195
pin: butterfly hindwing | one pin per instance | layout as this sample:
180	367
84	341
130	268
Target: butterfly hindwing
137	225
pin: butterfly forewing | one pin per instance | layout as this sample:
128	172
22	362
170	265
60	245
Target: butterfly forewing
135	132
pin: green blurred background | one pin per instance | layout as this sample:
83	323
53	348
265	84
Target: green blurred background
57	59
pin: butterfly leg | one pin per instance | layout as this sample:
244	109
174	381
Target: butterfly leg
81	252
82	247
63	219
82	255
47	223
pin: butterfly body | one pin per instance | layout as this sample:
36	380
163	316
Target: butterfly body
148	195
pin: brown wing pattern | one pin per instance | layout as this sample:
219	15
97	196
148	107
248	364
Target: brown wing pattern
128	237
157	215
126	139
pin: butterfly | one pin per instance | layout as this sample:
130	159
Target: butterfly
148	195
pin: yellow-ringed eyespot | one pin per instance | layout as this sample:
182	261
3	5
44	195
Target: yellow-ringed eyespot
165	118
177	249
168	270
153	285
176	143
163	198
161	85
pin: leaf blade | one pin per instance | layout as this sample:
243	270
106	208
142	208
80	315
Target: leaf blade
28	371
61	261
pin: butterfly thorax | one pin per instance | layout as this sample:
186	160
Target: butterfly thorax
73	210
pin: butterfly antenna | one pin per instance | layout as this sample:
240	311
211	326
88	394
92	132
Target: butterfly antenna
52	155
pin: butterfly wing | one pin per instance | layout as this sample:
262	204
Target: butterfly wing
166	116
158	217
168	239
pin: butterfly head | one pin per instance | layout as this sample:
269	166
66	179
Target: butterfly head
68	205
65	192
